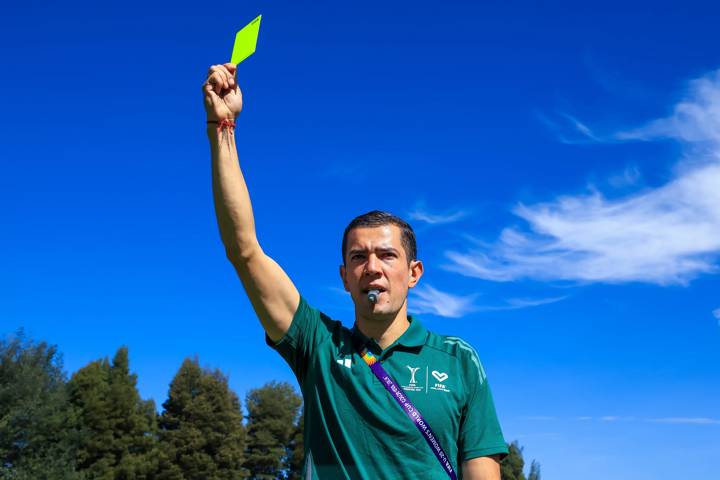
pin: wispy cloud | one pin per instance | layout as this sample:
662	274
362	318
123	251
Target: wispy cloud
694	119
540	418
427	299
339	291
686	420
666	235
516	303
569	130
423	215
629	177
581	128
716	314
616	418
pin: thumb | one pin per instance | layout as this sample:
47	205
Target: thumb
208	89
210	96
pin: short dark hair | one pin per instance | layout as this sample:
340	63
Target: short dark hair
378	218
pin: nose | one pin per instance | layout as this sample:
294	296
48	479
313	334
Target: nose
372	266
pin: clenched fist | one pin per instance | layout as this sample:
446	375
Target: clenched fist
223	98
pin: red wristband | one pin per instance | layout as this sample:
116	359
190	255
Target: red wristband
225	122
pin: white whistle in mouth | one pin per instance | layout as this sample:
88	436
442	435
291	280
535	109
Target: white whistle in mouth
373	296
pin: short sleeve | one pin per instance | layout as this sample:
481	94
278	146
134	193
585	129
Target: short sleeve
309	327
480	433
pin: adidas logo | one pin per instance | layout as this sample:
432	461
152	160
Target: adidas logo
346	362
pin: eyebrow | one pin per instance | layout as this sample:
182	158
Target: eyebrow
378	249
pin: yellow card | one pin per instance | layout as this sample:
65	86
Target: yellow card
246	41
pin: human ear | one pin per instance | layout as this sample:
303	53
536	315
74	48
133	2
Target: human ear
342	277
416	271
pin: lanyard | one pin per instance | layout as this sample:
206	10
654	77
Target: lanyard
409	409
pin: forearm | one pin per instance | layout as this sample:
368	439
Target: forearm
230	194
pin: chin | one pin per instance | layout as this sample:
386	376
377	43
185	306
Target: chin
384	310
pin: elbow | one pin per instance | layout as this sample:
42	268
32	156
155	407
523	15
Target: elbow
240	255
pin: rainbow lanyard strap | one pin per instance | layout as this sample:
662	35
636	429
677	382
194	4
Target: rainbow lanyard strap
409	409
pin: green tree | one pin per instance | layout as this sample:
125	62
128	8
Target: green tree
534	471
296	454
36	423
511	468
117	428
201	431
272	413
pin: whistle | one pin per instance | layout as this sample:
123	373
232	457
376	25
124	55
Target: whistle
373	296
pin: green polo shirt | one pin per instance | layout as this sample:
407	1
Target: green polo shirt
354	429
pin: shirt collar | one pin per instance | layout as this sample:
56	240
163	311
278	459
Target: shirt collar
414	336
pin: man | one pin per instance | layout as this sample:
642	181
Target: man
354	429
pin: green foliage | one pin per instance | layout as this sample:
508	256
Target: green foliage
272	413
534	471
201	431
117	428
297	450
35	422
511	468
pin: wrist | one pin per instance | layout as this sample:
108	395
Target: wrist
211	117
221	124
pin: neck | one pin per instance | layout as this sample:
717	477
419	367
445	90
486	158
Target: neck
383	329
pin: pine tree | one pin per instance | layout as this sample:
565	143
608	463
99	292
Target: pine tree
117	428
272	413
201	431
297	450
511	468
36	421
534	471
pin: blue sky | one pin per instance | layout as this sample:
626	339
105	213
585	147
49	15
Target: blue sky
560	164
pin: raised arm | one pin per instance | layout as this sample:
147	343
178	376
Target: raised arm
271	292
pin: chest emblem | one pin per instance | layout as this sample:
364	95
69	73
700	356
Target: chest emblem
440	376
412	372
439	386
412	385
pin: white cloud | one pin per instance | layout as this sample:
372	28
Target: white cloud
569	130
515	303
426	299
686	420
613	418
666	235
716	314
629	177
423	215
339	291
583	129
695	119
